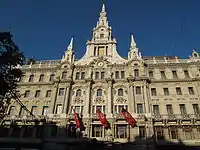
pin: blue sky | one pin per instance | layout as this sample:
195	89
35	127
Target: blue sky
43	28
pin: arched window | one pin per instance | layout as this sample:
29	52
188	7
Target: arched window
99	92
78	92
120	92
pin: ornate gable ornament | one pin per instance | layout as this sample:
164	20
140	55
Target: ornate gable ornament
121	100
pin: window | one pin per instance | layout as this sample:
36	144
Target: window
120	92
96	75
22	111
99	92
95	49
61	91
178	91
191	90
138	90
34	110
102	75
174	73
27	93
41	79
100	107
196	109
118	108
64	75
106	50
101	36
116	74
77	109
21	78
139	108
162	73
97	131
166	91
121	131
150	74
182	109
82	75
45	110
77	75
173	132
159	132
48	94
169	109
100	51
122	74
136	73
153	92
51	77
156	109
37	93
31	78
186	73
142	132
11	110
59	109
188	133
78	92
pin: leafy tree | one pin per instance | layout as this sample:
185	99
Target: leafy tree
10	73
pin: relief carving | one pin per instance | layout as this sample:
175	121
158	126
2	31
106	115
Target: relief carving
121	100
99	100
78	100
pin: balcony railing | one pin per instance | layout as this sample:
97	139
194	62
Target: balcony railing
176	116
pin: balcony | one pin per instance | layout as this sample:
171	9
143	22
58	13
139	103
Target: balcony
176	117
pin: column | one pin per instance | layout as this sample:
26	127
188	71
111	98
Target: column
146	103
66	99
88	98
109	101
131	98
53	101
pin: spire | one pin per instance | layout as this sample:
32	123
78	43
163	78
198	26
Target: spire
70	46
103	8
103	17
133	44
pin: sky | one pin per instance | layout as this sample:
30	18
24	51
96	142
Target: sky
43	28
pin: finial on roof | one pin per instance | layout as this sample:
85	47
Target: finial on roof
103	8
70	47
133	44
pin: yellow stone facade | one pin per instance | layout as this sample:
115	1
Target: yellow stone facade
161	93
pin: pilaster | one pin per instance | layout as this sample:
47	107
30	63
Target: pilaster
66	99
53	101
131	96
88	98
110	97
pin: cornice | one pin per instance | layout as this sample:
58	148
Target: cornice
173	80
34	83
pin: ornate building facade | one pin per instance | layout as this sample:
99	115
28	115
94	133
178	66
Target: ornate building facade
161	93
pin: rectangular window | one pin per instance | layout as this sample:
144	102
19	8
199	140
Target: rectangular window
34	110
51	77
122	74
97	131
78	109
196	109
166	91
59	109
11	110
159	132
142	132
156	109
64	75
153	92
102	75
136	73
121	131
178	91
82	75
61	92
27	93
150	74
37	93
182	109
174	73
163	76
31	78
186	73
101	50
116	74
41	79
191	90
139	108
173	132
45	110
138	90
77	75
188	133
96	75
169	109
48	94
